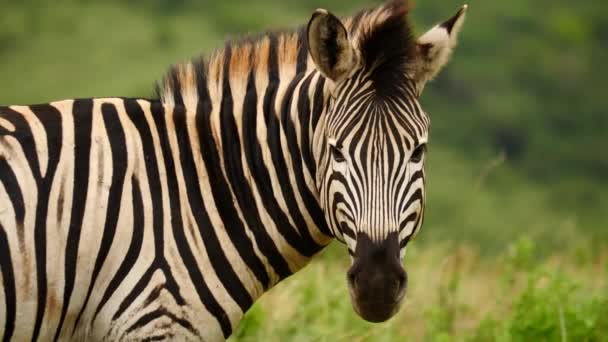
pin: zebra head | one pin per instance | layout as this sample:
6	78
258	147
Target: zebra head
371	149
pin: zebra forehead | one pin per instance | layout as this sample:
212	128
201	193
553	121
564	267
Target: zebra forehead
375	144
410	127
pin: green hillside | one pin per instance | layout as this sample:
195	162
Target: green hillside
519	125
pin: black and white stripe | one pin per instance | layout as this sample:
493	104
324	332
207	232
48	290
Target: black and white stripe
126	215
373	185
134	219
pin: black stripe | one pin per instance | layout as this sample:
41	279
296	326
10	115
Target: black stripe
25	136
177	88
158	338
352	116
418	224
403	119
159	116
348	191
8	284
274	139
408	118
137	290
134	247
241	189
223	199
402	179
116	137
83	124
416	196
175	206
302	62
410	218
50	118
388	144
304	115
318	105
9	180
217	258
417	175
310	201
158	314
138	118
154	295
201	81
348	92
393	127
214	250
403	98
261	176
357	138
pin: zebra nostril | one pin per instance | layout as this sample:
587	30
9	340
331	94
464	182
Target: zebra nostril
402	279
351	277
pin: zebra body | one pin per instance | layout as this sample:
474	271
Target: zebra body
135	219
136	212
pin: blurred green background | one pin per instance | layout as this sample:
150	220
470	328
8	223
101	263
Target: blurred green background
519	147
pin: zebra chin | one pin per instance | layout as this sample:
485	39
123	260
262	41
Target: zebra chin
377	281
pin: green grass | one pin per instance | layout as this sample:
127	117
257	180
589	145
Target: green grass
454	295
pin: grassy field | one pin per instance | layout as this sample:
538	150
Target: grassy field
454	295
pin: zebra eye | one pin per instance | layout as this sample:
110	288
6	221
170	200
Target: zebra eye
418	154
337	155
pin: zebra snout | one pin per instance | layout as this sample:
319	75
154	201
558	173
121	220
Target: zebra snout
376	287
377	281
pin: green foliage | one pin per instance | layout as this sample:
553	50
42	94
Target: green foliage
254	321
553	307
454	296
441	319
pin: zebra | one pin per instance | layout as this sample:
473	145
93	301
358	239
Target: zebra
166	218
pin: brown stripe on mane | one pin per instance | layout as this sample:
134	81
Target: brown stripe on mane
382	36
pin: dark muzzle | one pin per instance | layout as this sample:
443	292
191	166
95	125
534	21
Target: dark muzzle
376	280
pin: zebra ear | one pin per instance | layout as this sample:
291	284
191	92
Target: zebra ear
434	48
329	46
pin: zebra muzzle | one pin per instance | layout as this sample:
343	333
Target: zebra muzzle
377	281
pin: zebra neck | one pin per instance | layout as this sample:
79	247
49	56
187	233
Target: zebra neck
255	143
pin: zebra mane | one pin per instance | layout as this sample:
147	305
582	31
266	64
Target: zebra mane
382	36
